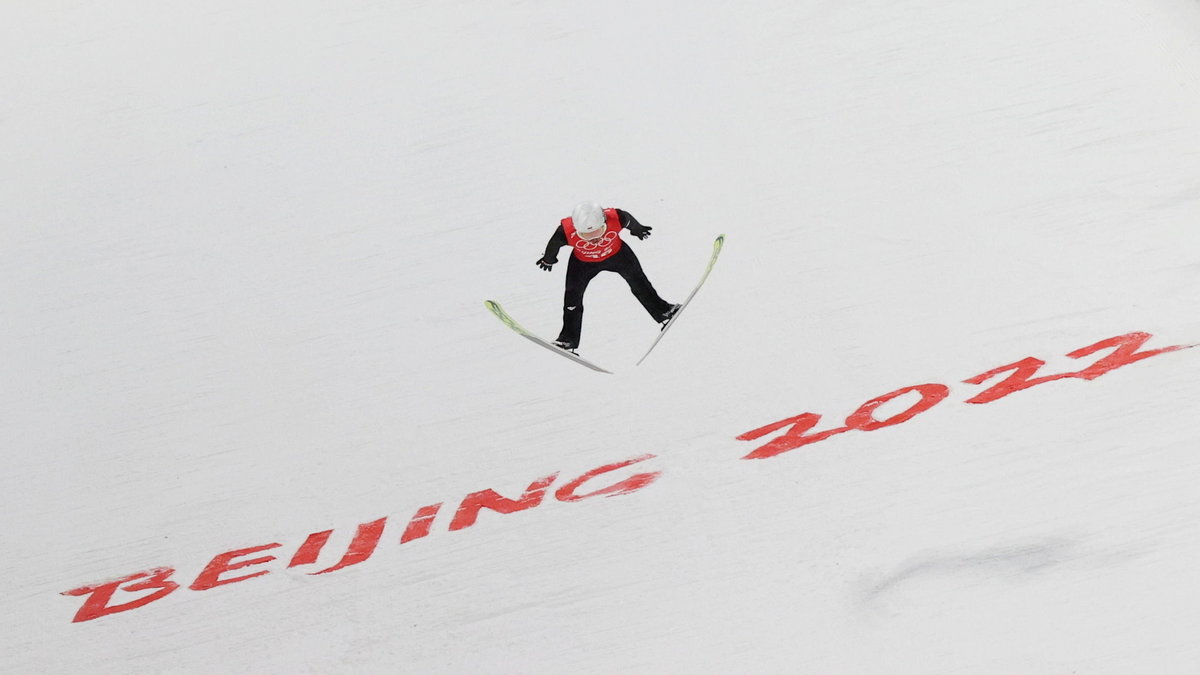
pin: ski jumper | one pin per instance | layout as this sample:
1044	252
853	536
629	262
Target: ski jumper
607	253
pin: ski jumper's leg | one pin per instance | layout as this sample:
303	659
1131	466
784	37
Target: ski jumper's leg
579	275
626	263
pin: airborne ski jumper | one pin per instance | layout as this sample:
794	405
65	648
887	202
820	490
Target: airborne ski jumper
594	235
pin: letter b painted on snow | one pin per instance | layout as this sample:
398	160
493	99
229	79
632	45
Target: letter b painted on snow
100	595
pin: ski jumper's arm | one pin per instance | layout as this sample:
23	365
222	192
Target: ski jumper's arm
630	223
556	242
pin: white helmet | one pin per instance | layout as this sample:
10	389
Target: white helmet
588	218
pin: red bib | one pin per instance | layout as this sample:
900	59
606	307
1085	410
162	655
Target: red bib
597	249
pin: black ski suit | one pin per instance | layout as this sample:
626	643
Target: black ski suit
580	273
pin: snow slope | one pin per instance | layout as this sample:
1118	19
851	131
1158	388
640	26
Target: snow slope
243	253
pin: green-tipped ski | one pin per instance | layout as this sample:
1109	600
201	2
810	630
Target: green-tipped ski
495	308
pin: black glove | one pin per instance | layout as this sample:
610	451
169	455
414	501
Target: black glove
544	264
640	231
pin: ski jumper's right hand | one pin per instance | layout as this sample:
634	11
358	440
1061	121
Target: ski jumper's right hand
545	264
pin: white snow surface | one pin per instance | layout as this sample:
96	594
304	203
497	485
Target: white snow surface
244	247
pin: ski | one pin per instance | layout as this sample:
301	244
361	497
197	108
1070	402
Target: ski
495	308
717	246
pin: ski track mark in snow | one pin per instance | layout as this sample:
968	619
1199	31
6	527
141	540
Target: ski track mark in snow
1008	561
1014	562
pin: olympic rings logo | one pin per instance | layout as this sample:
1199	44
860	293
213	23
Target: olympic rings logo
595	244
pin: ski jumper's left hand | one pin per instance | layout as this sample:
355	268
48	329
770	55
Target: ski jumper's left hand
640	231
630	223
